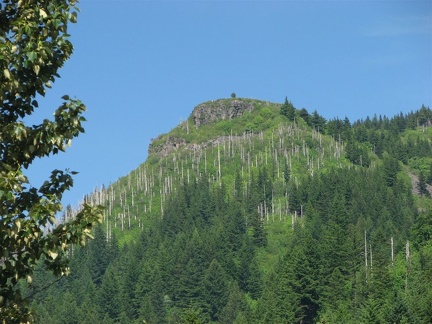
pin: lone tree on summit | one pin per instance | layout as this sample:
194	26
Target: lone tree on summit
33	46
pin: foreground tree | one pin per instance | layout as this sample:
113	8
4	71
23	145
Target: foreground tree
33	46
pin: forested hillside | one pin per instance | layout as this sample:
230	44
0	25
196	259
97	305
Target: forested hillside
255	212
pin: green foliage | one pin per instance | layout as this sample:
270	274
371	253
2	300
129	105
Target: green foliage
422	188
357	153
274	222
216	289
33	46
390	168
429	178
288	110
261	118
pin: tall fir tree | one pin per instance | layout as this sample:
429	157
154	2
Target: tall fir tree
288	110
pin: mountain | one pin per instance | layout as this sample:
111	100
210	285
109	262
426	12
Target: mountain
257	212
219	139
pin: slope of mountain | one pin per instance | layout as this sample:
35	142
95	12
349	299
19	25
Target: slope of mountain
219	139
245	214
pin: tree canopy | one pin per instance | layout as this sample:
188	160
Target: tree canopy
33	46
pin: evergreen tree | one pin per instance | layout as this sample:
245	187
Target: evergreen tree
249	279
399	312
422	228
288	109
88	310
98	255
238	188
287	173
236	304
305	115
216	289
371	313
318	122
422	186
234	227
190	291
67	310
303	286
153	304
109	299
419	294
390	170
291	294
429	178
259	235
216	255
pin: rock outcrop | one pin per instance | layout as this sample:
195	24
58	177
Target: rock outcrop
205	113
214	111
173	144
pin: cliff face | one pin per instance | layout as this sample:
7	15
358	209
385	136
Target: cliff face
214	111
171	144
205	113
174	143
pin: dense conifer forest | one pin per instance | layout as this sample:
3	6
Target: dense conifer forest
254	212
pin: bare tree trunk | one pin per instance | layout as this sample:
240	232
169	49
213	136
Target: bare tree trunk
219	166
366	255
407	256
280	211
129	219
107	229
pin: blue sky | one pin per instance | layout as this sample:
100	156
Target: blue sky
142	66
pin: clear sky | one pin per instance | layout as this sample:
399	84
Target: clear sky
142	66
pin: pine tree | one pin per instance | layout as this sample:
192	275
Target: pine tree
190	291
371	313
287	173
98	255
291	294
216	289
305	115
304	286
236	304
109	301
153	305
422	186
399	312
318	122
234	227
249	273
429	178
288	109
390	169
259	235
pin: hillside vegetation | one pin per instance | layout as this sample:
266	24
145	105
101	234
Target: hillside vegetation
256	212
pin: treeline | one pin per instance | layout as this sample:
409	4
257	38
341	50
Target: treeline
274	227
352	260
375	135
357	250
199	261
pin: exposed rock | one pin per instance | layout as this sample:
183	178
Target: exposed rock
174	144
205	113
214	111
171	144
415	181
